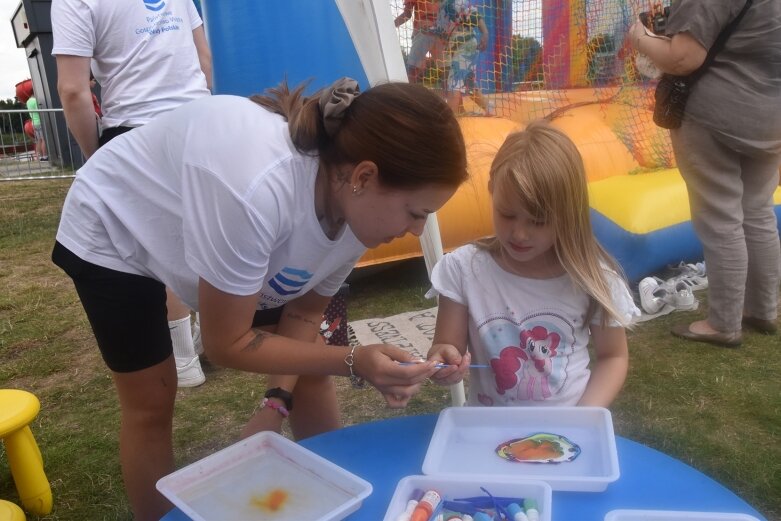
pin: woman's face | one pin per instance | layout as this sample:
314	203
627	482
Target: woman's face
377	215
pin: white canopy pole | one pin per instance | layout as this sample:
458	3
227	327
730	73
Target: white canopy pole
370	23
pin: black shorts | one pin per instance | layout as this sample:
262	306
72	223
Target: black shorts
110	133
127	312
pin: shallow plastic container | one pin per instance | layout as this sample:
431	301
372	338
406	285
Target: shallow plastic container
265	477
465	441
451	487
674	515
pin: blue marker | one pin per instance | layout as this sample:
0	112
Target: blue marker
516	512
442	366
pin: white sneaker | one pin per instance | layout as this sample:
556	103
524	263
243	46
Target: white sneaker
681	296
652	295
189	372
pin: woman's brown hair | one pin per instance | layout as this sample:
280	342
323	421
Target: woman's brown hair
406	130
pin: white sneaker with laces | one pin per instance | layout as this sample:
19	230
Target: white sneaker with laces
189	372
651	295
680	297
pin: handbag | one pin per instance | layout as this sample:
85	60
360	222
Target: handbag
672	91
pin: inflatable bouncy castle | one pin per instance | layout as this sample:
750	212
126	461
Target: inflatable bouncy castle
563	60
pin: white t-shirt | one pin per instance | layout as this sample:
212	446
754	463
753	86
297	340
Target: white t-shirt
214	189
143	53
531	332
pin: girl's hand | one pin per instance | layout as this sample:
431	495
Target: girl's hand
449	354
398	383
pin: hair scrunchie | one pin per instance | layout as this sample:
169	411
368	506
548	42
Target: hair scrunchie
334	102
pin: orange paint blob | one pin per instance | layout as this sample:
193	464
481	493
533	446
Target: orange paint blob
271	502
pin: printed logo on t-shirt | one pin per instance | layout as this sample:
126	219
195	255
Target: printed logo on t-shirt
161	22
529	360
289	281
154	5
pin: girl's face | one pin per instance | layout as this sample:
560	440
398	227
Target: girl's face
377	215
528	243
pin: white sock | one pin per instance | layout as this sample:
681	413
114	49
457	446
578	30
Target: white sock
182	338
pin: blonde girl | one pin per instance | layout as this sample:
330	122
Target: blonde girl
530	299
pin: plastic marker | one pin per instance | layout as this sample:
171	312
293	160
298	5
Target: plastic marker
515	510
411	504
407	514
531	509
426	506
442	366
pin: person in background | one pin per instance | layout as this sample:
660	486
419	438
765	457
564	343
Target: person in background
728	150
462	23
40	139
147	63
530	300
426	39
95	103
258	242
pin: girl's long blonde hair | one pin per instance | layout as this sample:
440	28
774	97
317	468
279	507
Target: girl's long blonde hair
542	169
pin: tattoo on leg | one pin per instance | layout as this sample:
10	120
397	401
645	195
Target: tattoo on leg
260	337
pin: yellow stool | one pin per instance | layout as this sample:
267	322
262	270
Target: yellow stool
10	512
17	410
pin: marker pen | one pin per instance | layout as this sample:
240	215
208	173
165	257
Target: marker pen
426	506
530	506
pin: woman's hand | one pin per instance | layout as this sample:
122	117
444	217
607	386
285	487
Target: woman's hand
634	34
379	365
450	355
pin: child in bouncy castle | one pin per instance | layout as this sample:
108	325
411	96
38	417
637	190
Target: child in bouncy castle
528	301
467	36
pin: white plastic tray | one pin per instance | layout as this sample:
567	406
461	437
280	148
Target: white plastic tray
670	515
242	481
451	487
465	440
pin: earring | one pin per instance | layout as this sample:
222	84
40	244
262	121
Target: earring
356	191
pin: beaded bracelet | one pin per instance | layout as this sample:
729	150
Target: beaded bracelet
281	409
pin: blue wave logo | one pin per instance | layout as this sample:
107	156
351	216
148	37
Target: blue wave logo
154	5
289	281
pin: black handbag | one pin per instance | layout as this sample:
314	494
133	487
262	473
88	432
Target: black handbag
673	91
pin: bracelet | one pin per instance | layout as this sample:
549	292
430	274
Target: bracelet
356	381
281	409
285	396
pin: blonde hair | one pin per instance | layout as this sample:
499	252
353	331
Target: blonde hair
542	169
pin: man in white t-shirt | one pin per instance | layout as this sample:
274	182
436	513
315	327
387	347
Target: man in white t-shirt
149	58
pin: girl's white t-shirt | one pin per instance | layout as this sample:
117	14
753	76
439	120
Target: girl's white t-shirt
531	332
214	189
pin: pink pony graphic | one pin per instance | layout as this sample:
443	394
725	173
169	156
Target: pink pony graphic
533	358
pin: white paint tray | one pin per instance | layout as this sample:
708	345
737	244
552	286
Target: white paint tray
465	439
670	515
265	477
452	487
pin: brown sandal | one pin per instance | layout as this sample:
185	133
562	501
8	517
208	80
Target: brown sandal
719	339
763	326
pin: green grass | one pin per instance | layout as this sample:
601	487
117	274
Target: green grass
718	410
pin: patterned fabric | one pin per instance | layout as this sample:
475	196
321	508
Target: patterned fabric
334	326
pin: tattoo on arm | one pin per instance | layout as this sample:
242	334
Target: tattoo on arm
302	318
260	337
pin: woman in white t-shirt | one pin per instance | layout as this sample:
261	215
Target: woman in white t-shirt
243	206
529	300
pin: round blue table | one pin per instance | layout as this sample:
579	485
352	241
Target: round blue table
383	452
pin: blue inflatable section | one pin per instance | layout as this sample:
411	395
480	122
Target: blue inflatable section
641	254
256	44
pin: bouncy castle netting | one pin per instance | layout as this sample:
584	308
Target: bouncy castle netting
529	59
